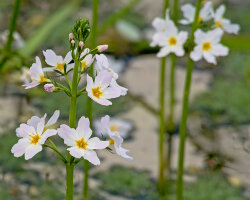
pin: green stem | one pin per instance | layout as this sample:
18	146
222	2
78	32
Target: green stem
162	127
185	103
72	121
89	108
12	27
69	181
170	123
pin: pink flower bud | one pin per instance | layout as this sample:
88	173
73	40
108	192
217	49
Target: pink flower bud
81	44
73	42
102	48
71	36
49	87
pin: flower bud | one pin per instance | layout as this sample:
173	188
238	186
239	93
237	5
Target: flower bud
71	36
102	48
73	42
49	87
81	44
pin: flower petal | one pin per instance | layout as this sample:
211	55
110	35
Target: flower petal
69	135
76	152
51	58
91	156
19	148
96	143
48	133
83	128
32	150
53	118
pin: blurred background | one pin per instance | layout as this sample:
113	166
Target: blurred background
218	146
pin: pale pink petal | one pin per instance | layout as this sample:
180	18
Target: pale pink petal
48	133
68	57
69	135
51	58
111	92
83	128
103	78
31	85
25	130
96	143
76	152
53	118
19	148
32	150
91	156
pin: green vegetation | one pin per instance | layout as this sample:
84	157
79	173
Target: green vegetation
228	99
137	185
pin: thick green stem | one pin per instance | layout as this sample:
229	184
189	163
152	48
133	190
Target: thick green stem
162	127
185	104
72	122
12	27
89	108
69	181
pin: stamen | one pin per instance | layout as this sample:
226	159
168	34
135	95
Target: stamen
81	144
97	92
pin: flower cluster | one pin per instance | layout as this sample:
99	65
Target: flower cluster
211	26
101	88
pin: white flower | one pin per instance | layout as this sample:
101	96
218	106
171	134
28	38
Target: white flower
35	120
37	75
31	140
114	138
57	62
223	23
208	46
171	41
101	90
116	124
160	25
79	141
189	13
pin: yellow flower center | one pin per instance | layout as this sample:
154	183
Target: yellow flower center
34	139
172	41
81	144
83	65
60	66
218	24
114	127
206	46
97	92
200	19
43	79
111	141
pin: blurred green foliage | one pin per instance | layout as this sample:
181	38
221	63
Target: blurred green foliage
227	102
137	185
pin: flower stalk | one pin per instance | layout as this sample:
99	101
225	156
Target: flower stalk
162	127
89	104
170	124
185	107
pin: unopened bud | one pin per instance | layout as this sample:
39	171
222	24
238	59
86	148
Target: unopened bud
102	48
81	44
73	42
49	87
71	36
